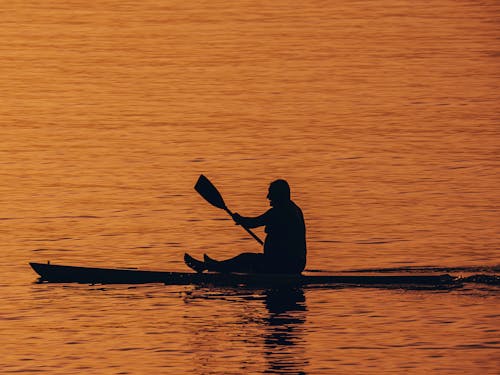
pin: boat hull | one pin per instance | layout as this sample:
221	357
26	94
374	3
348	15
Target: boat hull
91	275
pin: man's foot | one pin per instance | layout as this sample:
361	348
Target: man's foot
211	264
206	258
194	264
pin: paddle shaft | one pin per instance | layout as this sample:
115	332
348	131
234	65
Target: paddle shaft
247	229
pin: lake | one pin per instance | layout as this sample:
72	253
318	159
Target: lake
383	117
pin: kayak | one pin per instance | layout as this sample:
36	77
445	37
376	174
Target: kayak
91	275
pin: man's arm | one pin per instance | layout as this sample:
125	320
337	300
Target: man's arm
251	222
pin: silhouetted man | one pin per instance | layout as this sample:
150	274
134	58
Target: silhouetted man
285	244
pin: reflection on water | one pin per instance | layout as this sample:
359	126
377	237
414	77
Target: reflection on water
278	318
284	342
382	115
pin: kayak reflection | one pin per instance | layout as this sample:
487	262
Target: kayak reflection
267	327
285	346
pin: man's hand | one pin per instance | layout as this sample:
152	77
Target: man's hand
237	218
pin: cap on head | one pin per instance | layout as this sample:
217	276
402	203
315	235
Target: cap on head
279	190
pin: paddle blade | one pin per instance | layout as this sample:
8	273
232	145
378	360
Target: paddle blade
208	191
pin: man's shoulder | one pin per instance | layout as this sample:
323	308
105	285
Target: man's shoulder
285	209
296	206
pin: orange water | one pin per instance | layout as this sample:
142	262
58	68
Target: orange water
383	116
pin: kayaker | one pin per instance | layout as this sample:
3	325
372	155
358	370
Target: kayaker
284	246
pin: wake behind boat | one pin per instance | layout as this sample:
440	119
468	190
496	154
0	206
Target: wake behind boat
92	275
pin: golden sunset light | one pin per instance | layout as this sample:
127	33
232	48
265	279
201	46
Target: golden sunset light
250	187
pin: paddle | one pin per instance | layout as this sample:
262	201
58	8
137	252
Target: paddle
208	191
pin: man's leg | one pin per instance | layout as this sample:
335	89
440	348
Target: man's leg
245	262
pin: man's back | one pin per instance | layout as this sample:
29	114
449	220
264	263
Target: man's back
285	244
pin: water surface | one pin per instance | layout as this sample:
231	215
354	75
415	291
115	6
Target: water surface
383	116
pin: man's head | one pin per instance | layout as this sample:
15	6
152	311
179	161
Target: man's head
279	192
